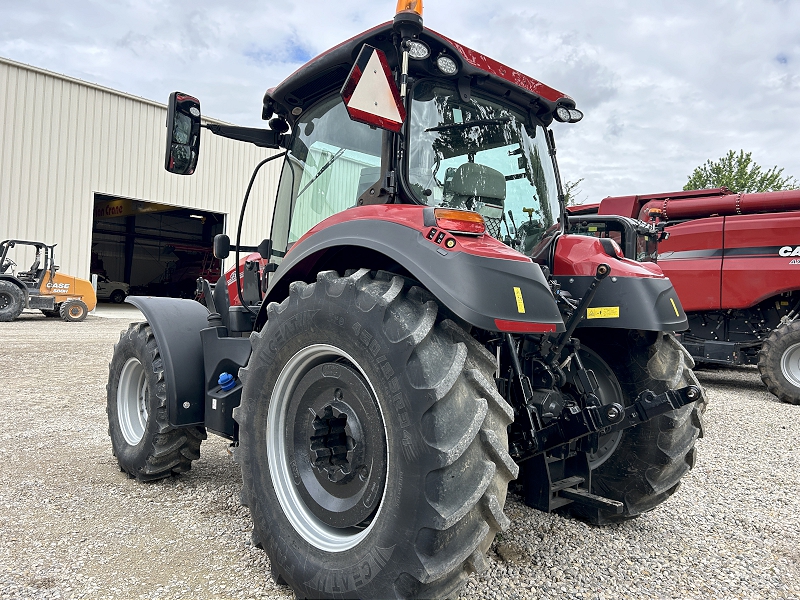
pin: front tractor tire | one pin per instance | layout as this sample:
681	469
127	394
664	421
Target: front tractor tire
779	362
373	442
641	466
73	311
147	447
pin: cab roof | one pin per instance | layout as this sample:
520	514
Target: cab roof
327	73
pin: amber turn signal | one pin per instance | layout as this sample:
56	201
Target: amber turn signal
459	221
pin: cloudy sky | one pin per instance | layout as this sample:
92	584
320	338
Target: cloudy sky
664	85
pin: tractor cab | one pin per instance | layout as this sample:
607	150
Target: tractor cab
461	132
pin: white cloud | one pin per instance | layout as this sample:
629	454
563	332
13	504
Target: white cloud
665	86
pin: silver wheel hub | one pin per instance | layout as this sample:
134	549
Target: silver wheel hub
132	401
790	364
333	453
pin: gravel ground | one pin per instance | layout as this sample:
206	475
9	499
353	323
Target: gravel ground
73	526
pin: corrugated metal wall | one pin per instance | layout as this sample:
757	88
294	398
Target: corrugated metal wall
63	140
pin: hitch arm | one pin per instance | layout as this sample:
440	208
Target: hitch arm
578	313
575	423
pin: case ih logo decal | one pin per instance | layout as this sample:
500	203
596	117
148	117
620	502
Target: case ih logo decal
58	288
789	251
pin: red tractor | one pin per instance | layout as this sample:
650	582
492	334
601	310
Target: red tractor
735	262
383	364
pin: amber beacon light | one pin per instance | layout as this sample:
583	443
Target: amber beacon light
405	6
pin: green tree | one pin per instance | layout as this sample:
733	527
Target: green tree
572	192
740	174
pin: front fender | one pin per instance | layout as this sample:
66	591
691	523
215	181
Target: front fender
487	292
176	325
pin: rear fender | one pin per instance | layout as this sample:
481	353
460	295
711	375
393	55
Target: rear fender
647	303
176	325
490	292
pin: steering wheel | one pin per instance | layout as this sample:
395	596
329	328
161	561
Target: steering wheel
6	264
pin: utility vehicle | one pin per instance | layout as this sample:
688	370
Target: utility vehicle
41	286
383	364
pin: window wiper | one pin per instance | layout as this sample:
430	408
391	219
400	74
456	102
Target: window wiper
321	171
476	123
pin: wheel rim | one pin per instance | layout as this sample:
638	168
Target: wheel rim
132	401
790	364
324	428
5	300
75	311
609	392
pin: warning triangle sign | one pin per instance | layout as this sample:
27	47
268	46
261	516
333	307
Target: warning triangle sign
370	93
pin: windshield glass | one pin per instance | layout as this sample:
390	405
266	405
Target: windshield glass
484	156
331	162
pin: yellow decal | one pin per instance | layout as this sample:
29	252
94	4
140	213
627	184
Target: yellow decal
675	308
520	303
592	228
603	312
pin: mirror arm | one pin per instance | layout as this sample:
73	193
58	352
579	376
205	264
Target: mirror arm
265	138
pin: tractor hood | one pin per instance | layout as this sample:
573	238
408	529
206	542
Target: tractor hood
327	73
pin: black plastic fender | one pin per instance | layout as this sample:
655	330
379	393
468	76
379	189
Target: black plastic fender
647	303
176	325
477	289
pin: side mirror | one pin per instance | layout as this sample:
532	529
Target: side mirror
222	246
183	134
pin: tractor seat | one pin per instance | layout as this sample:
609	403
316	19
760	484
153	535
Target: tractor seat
479	188
30	274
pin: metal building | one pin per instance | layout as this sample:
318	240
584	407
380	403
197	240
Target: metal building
82	166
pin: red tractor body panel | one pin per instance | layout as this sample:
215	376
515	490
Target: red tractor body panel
581	255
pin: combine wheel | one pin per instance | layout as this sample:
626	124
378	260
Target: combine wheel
73	311
779	362
641	466
12	301
373	442
145	445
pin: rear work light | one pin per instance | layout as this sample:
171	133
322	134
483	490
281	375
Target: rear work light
459	221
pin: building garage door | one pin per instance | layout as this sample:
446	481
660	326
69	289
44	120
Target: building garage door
159	250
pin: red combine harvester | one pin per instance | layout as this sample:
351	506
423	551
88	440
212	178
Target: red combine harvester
734	260
383	364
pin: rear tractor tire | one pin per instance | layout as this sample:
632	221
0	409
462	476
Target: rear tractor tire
73	311
641	466
145	445
373	442
12	301
779	362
